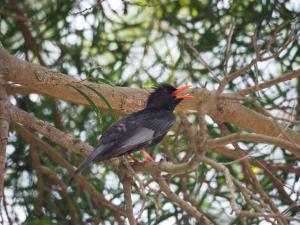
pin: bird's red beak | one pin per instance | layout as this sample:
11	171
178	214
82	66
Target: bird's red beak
182	89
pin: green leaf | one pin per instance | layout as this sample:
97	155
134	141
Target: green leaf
39	222
102	80
92	103
112	112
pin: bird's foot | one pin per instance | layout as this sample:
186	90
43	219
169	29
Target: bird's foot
148	158
136	161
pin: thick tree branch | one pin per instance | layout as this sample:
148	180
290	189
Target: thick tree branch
44	81
232	111
4	127
48	130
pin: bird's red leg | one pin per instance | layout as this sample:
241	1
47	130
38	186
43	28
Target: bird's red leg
135	160
147	156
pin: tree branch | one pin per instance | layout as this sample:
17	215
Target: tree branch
63	189
55	156
49	131
229	182
127	186
40	182
183	204
267	84
4	127
44	81
259	138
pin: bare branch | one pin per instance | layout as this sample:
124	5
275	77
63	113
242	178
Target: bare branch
261	55
231	111
4	127
259	138
63	189
267	84
183	204
40	182
191	133
229	182
268	215
200	58
42	80
45	128
228	48
55	156
127	185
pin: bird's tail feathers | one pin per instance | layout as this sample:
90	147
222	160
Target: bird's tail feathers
86	162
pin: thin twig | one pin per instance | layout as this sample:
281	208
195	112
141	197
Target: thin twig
56	157
267	84
40	182
295	148
229	182
228	48
183	204
63	189
200	58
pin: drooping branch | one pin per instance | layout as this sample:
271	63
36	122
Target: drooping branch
31	138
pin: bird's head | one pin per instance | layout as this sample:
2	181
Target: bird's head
166	97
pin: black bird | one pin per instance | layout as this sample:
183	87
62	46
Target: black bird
140	129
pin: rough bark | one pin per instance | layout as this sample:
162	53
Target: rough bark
4	127
48	82
44	81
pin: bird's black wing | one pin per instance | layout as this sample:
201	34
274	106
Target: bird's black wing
138	130
130	133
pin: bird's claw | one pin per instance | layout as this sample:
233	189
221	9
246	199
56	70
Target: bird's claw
136	161
147	156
